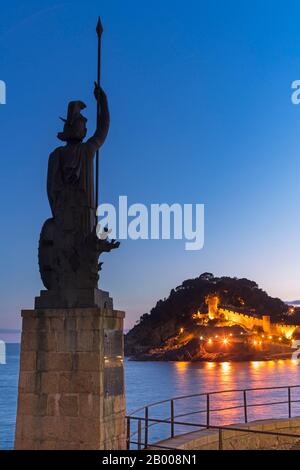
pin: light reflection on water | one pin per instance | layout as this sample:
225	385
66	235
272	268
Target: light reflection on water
148	382
157	381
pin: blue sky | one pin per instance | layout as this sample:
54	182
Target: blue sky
199	94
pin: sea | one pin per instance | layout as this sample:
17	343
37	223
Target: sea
150	382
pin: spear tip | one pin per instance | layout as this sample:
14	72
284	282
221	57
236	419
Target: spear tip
99	28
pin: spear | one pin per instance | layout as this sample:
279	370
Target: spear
99	30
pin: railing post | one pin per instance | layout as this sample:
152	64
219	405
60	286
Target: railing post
245	406
207	411
220	439
128	434
289	402
139	434
146	426
172	418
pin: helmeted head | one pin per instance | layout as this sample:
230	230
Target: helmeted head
75	124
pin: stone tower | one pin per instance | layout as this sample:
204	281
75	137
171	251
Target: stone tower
212	302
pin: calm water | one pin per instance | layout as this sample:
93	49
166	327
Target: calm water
148	382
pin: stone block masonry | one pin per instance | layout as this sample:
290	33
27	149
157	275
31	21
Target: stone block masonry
71	383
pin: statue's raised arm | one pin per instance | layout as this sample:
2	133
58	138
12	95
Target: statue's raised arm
103	120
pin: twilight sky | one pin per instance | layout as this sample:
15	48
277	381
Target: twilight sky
199	94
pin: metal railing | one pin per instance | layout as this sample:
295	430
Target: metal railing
138	435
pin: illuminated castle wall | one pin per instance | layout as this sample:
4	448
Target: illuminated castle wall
248	321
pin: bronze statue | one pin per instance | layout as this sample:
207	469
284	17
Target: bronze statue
69	247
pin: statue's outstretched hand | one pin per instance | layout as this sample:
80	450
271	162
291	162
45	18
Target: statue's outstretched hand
95	142
99	93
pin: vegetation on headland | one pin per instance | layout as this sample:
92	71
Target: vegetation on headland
170	332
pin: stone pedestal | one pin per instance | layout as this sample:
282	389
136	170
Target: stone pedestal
71	384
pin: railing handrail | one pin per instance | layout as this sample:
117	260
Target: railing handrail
149	422
220	430
213	427
194	395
